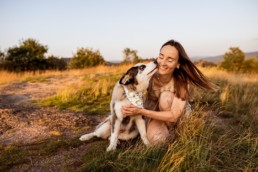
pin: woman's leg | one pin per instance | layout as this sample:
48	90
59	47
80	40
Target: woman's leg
157	131
166	100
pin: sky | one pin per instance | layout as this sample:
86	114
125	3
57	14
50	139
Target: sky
203	27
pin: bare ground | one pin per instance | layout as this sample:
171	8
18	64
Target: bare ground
25	125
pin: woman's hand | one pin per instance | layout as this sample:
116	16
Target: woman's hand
130	110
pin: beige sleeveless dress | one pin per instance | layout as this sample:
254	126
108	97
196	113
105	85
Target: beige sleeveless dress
151	100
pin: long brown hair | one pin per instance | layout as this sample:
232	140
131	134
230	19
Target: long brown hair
187	73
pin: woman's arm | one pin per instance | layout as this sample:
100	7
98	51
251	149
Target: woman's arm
166	116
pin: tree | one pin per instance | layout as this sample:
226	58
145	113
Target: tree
28	56
250	66
233	60
130	56
127	53
86	57
55	63
2	56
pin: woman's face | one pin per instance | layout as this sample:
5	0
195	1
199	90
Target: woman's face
168	60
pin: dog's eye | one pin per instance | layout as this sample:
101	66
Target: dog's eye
142	67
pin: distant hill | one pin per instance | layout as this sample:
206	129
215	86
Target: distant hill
219	58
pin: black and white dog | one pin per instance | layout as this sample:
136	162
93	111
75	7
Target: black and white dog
128	90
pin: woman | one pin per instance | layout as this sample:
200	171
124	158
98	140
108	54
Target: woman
168	94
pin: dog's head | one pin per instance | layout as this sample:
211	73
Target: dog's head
138	76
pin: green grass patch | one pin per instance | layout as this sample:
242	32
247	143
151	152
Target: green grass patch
92	98
14	155
11	156
135	157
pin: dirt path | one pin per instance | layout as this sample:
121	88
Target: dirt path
22	123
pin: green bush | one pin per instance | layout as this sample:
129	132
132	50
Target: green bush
234	61
86	57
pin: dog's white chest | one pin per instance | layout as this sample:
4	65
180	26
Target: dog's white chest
134	97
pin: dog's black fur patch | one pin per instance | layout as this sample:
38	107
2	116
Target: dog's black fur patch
126	120
129	77
133	127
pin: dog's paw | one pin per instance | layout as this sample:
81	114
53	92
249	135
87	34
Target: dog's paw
85	137
146	141
111	148
82	138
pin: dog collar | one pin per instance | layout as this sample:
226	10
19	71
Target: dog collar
134	97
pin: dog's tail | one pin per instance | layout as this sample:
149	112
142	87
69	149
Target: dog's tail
107	120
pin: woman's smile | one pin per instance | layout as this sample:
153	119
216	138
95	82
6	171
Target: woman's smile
168	60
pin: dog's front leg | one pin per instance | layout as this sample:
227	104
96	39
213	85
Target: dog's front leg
114	135
140	123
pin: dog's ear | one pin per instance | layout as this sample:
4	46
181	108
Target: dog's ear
129	77
126	79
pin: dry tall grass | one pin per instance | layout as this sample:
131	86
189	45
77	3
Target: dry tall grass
8	77
214	72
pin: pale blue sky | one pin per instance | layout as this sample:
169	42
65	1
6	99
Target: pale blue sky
205	28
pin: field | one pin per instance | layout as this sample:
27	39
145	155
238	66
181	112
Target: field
42	115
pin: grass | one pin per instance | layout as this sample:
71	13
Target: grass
14	155
39	76
202	144
92	97
7	77
137	158
220	135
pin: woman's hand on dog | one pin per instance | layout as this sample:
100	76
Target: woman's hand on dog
130	110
